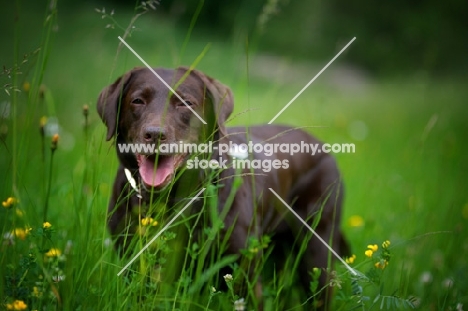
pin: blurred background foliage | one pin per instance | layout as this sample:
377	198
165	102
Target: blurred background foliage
395	37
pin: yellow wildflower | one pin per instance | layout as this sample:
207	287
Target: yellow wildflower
17	305
54	143
43	121
85	110
42	124
369	253
46	225
386	244
351	259
373	248
21	233
148	221
9	202
19	212
381	265
36	292
53	252
356	221
26	86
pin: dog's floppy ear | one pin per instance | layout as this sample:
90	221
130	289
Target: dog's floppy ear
109	101
221	98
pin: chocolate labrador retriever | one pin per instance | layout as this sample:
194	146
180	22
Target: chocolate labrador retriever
139	109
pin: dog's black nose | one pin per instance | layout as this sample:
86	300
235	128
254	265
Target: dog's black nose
154	134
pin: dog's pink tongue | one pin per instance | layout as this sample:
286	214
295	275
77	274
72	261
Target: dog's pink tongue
152	176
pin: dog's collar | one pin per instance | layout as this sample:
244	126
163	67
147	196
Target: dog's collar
132	182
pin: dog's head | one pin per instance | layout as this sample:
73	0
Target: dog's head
140	109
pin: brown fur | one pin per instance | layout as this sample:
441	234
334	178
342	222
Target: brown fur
308	184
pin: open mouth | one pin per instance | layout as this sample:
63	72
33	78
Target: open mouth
157	171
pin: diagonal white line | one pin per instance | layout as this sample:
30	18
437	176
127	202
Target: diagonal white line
159	77
160	232
315	233
313	79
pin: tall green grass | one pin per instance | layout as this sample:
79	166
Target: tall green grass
405	183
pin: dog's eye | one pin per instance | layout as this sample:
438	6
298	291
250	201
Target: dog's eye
181	104
137	101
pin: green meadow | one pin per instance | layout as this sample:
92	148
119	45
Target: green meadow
405	182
